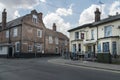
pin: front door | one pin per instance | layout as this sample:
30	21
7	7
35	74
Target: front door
10	51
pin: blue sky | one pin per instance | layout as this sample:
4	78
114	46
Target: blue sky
66	14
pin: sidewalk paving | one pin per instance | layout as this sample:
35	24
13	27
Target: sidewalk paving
90	64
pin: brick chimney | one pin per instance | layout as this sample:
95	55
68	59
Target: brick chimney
54	27
40	15
4	17
97	15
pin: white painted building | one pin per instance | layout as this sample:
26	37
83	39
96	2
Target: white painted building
99	36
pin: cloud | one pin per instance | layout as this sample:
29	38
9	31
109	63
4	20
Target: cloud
16	13
43	0
12	6
64	12
115	7
56	17
87	16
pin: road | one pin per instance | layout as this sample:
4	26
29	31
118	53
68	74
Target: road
41	69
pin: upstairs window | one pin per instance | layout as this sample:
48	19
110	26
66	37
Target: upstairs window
92	34
15	32
7	34
66	42
56	40
82	35
76	35
50	39
108	31
39	33
34	18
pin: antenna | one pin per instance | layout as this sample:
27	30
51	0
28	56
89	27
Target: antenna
100	3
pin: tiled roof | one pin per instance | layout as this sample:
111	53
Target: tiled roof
50	32
94	24
14	22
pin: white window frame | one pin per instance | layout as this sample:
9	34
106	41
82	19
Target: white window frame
34	18
30	48
50	39
92	34
7	34
16	46
15	32
39	33
39	48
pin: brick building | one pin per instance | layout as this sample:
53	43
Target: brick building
27	36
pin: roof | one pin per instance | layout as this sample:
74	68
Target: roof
94	24
50	32
14	22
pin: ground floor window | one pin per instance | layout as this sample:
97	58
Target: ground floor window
106	47
114	48
17	46
74	48
39	48
0	48
99	47
56	50
30	48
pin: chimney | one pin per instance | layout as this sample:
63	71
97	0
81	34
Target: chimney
40	15
54	27
97	15
4	16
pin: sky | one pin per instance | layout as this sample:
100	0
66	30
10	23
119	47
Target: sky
67	14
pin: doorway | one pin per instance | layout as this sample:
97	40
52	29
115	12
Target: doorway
10	51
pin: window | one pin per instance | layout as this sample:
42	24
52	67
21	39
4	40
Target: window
50	39
56	40
79	47
0	48
17	47
106	47
56	50
7	34
99	47
39	33
15	32
74	48
92	34
108	31
114	48
34	18
66	42
82	35
39	48
76	35
30	48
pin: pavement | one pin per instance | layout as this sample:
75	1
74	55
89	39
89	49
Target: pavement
87	64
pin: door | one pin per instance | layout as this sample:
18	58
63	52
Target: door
10	51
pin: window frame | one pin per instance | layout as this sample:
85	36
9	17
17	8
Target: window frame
39	33
16	47
30	48
7	34
15	32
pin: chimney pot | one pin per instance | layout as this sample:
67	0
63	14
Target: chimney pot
97	15
4	16
54	27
